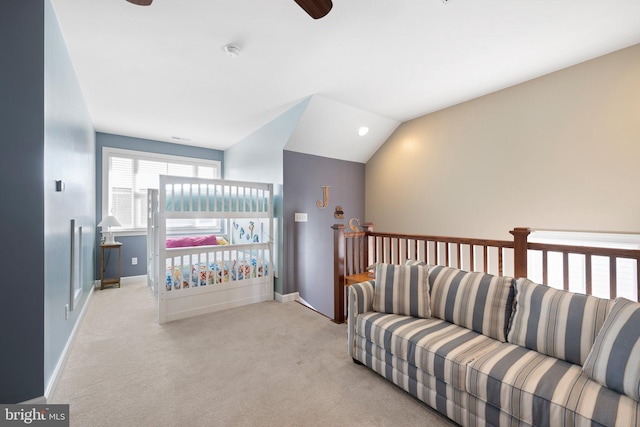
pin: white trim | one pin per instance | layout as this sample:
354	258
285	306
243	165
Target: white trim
57	372
127	280
134	279
288	297
148	155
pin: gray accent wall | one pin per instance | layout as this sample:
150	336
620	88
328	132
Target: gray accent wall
308	246
22	222
136	246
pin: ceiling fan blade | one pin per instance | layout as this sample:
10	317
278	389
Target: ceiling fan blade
315	8
141	2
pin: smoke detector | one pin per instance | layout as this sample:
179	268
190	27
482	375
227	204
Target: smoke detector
232	50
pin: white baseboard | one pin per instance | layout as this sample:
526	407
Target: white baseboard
134	279
51	387
288	297
127	280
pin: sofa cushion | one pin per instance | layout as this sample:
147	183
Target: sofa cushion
555	322
542	390
433	345
402	289
443	397
478	301
614	360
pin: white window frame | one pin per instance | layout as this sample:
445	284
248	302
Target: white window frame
108	152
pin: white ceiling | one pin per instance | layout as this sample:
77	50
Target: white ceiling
161	73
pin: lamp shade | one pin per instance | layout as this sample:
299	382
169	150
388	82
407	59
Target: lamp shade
109	221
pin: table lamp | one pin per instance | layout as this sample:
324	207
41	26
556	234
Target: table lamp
108	222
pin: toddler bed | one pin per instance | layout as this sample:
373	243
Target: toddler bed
200	273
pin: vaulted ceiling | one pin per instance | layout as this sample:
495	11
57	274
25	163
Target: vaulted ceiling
161	72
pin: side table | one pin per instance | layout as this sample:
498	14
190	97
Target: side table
112	280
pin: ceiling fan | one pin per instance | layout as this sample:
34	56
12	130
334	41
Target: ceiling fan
315	8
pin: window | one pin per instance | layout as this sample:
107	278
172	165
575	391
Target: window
127	174
626	268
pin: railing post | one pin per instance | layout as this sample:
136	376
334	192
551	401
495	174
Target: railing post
367	227
520	246
338	273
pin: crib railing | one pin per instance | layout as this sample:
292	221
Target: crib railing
354	251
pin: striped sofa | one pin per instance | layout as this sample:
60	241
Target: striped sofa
489	350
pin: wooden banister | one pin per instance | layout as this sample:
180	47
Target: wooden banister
338	273
520	246
354	251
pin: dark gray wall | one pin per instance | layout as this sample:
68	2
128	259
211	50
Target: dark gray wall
22	219
308	250
136	246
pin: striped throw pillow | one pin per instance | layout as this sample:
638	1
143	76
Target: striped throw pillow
614	360
557	323
402	289
415	262
478	301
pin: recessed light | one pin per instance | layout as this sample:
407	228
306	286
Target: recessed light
363	130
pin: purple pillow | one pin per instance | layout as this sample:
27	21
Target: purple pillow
186	241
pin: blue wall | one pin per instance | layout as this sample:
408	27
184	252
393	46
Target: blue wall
47	136
309	245
258	157
136	246
69	147
22	118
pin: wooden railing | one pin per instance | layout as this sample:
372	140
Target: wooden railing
355	251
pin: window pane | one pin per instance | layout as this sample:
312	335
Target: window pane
206	172
177	169
121	206
148	173
128	175
121	172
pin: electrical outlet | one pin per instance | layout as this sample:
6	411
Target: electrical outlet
134	261
66	312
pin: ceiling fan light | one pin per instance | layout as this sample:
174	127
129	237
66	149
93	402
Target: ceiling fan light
141	2
315	8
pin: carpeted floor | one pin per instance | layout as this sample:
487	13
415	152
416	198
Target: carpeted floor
267	364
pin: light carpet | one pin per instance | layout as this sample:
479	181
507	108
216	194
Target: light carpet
266	364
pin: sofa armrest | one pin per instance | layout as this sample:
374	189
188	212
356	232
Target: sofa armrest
360	301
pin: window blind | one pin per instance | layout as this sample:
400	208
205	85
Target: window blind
129	174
